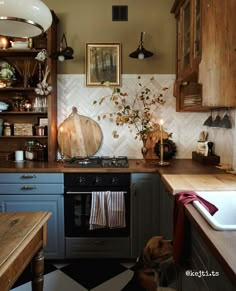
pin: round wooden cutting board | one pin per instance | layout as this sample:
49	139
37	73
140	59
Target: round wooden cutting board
79	135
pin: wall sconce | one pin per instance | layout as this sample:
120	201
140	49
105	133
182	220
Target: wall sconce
65	52
24	18
141	52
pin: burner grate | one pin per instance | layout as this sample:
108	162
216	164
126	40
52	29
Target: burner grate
98	162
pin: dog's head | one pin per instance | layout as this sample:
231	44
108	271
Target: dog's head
157	250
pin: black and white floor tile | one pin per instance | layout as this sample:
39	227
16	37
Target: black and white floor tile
81	275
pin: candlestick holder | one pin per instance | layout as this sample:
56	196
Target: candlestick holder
162	162
62	159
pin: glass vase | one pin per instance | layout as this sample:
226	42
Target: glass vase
144	149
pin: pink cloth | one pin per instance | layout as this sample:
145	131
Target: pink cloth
181	199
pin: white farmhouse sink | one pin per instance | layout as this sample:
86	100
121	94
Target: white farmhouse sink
225	201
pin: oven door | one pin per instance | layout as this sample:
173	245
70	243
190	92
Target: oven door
77	214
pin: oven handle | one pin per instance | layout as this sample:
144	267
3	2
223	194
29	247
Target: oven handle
76	193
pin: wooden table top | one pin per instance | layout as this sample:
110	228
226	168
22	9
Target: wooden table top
16	231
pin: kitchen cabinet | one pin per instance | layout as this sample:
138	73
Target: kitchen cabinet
26	108
144	209
37	192
166	212
208	273
205	57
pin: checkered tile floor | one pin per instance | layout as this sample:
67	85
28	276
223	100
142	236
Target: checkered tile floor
81	275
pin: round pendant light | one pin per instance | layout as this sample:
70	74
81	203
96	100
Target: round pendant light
24	18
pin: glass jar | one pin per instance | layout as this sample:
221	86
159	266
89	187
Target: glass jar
30	150
7	130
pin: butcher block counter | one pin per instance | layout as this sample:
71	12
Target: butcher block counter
201	182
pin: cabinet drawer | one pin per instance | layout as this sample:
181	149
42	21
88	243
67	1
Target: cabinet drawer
49	178
28	188
98	247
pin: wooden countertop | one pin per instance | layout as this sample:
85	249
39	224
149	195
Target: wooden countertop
201	182
178	166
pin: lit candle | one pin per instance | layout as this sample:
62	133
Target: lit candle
62	140
161	130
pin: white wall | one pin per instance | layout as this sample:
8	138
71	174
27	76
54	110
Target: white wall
185	126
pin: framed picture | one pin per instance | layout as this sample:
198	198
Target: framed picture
103	63
43	121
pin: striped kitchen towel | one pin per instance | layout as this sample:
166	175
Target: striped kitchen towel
115	209
98	214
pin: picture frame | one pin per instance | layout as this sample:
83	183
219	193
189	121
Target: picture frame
103	63
43	121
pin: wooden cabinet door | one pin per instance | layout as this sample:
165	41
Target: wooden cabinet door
217	69
187	89
196	32
166	212
145	210
186	37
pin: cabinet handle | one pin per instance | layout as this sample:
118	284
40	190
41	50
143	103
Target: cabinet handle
27	187
133	189
96	243
28	176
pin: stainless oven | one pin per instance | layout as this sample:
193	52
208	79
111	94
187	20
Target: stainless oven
80	239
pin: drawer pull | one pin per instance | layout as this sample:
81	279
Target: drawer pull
28	176
96	243
26	187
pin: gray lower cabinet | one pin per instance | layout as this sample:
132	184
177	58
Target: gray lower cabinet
205	273
144	210
37	192
166	212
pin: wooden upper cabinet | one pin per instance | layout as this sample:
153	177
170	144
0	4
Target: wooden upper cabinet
217	70
206	43
187	90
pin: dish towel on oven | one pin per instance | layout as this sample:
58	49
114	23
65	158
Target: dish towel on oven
107	210
116	209
98	217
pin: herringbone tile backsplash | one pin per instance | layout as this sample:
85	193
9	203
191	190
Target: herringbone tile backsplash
185	127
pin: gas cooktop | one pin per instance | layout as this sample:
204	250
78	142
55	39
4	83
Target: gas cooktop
97	162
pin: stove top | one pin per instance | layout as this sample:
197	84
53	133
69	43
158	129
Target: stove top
98	162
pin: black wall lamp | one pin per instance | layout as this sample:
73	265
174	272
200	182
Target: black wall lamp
65	52
141	52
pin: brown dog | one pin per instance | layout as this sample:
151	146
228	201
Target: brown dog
147	268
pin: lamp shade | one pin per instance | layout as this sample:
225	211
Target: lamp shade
141	52
24	18
65	52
